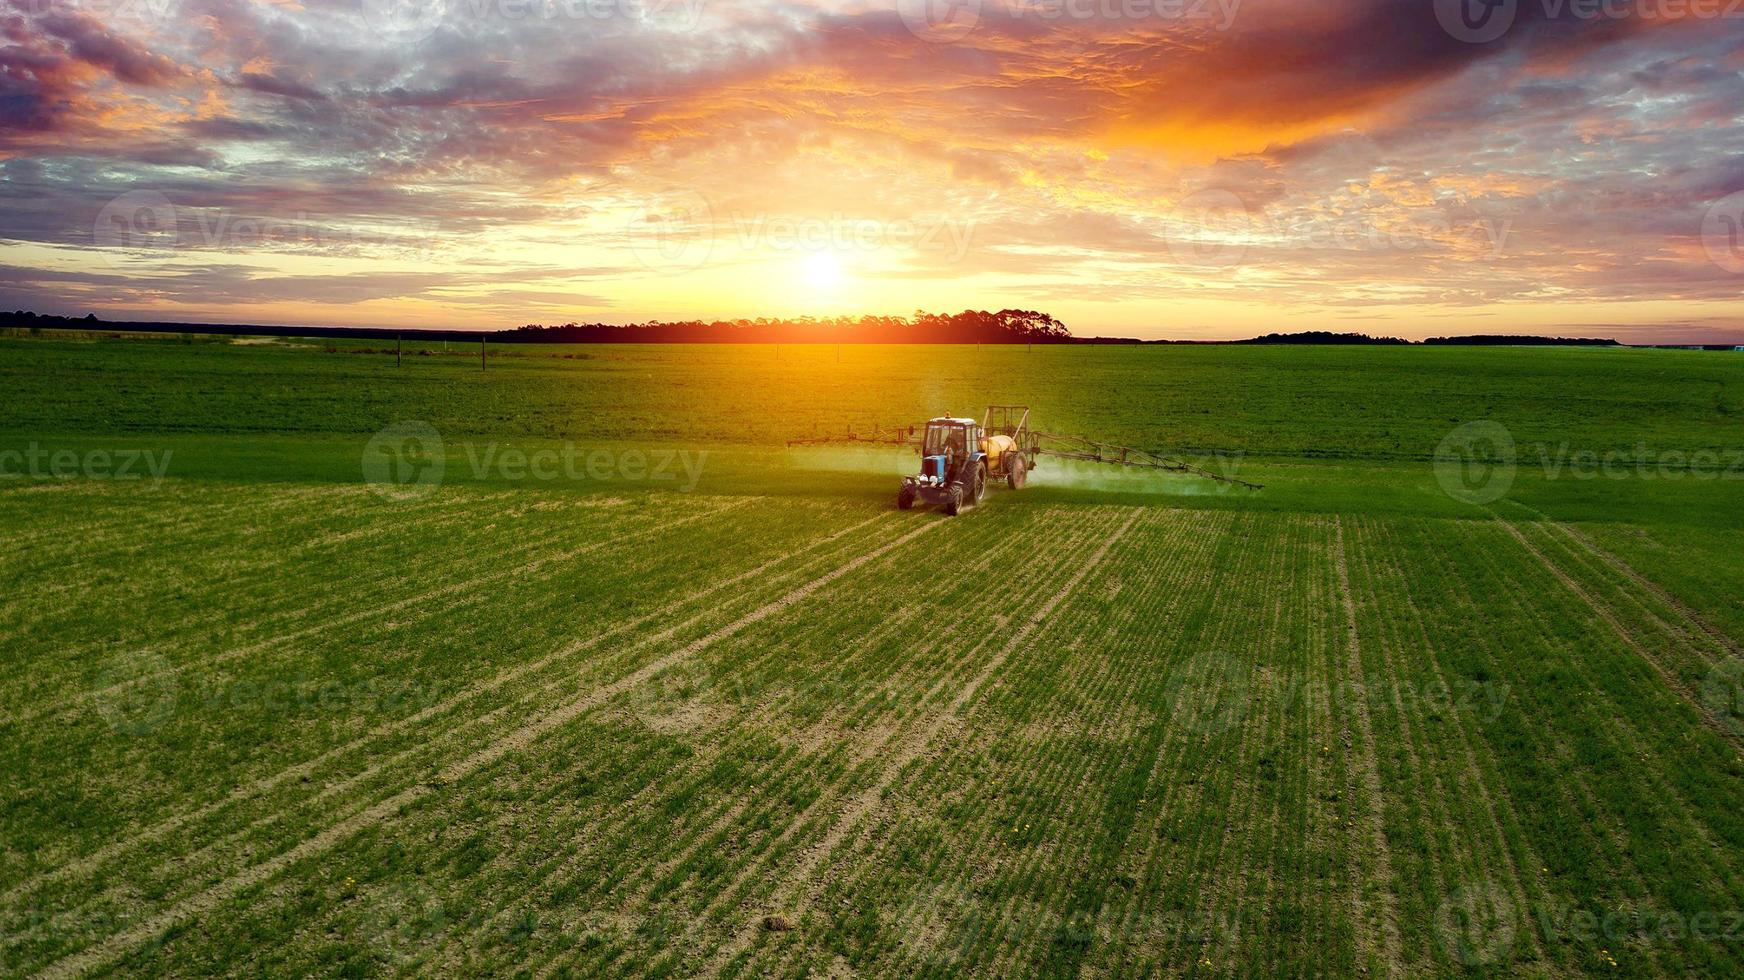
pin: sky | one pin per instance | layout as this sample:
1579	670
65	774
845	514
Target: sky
1191	169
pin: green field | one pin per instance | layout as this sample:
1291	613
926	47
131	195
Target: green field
614	682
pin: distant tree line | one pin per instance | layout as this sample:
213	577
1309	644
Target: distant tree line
1498	340
1323	337
967	327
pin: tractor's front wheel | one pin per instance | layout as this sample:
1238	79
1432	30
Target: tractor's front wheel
905	497
954	500
1017	472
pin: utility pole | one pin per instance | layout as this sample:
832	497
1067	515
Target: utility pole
399	359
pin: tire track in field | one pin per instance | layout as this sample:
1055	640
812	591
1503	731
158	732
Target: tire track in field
1474	773
1161	603
165	534
862	757
1116	691
547	690
290	611
1370	771
871	797
1185	684
325	625
1625	736
121	943
1695	618
1604	612
564	866
1229	751
266	784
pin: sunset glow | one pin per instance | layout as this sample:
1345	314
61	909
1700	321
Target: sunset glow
1158	169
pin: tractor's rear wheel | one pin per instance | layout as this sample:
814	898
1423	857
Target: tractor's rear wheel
905	498
954	500
1017	472
979	489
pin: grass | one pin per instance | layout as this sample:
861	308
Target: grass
260	717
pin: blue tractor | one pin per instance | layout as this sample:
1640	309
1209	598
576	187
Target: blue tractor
959	457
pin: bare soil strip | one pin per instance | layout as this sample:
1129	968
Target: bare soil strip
1369	768
1709	718
913	748
121	943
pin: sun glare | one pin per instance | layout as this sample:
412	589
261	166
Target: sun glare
822	270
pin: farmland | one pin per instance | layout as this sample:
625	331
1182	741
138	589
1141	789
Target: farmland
734	714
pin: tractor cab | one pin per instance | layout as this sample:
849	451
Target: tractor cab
953	467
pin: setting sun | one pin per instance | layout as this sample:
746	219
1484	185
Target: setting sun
822	270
